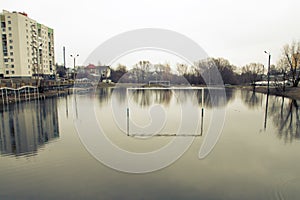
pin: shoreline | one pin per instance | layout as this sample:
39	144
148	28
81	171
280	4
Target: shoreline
290	92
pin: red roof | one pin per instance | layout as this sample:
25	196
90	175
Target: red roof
91	66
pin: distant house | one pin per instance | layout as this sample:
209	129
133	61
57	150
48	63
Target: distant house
102	73
91	69
105	73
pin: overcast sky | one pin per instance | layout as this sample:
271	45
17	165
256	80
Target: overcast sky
237	30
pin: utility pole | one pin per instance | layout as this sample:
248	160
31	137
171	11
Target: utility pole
64	56
74	57
269	63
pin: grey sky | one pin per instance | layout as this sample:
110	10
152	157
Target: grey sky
237	30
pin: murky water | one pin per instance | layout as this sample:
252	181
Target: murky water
256	156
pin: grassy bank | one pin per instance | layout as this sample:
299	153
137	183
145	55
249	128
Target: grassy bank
290	92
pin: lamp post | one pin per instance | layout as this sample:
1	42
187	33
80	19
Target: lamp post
269	62
74	57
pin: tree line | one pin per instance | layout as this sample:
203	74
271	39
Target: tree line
287	68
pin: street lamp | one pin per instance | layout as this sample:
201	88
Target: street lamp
74	57
269	61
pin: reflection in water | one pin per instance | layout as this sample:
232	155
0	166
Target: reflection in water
27	126
266	112
146	98
164	97
253	100
246	163
218	101
169	98
285	114
105	94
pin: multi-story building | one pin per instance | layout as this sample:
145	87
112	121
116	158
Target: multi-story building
26	47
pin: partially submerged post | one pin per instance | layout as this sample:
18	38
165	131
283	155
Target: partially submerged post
127	121
28	93
6	96
2	96
202	111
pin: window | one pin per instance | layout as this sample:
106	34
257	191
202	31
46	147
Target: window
6	65
10	41
28	66
28	72
12	60
11	53
7	72
9	28
13	72
9	22
5	60
10	35
8	16
11	47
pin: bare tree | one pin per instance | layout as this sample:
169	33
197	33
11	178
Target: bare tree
291	61
121	68
182	69
142	68
226	69
252	72
166	73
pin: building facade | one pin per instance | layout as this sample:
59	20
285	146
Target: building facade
26	47
99	73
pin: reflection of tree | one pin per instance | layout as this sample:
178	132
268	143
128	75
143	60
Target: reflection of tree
251	99
183	95
283	111
287	119
215	98
105	94
148	97
27	126
252	73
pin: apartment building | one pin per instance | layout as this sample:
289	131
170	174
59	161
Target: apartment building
26	47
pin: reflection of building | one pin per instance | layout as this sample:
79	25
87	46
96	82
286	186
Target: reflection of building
26	47
26	127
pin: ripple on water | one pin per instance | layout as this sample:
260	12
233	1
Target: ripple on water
288	190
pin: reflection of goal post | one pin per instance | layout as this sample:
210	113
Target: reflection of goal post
164	83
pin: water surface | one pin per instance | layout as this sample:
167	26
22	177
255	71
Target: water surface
256	156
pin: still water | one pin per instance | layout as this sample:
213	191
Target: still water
256	156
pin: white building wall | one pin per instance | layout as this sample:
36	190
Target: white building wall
24	37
